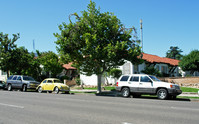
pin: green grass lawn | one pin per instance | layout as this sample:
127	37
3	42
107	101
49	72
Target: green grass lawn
188	89
109	88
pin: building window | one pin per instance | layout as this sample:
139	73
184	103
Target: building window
3	73
136	69
164	69
158	68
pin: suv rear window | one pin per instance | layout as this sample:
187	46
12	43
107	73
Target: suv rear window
14	78
134	78
10	77
27	78
124	78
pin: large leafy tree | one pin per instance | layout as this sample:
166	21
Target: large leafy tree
34	69
190	62
174	53
50	62
7	47
96	42
115	73
21	60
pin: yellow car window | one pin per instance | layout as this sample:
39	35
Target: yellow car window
50	81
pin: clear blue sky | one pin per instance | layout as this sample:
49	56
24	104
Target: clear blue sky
165	22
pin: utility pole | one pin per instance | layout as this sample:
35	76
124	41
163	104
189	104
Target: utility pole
33	45
141	34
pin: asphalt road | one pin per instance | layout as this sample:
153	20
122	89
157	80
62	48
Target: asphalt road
34	108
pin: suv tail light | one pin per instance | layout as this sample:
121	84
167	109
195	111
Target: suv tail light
117	84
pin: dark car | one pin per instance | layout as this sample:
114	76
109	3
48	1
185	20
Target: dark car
2	85
21	82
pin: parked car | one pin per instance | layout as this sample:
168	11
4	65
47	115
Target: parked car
2	85
21	82
53	84
138	84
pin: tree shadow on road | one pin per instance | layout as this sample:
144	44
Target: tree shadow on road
155	97
116	94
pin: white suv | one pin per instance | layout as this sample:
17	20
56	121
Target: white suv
138	84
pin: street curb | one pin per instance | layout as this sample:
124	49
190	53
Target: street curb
116	94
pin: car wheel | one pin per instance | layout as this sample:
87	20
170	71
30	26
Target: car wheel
24	88
125	92
40	89
9	87
56	90
162	94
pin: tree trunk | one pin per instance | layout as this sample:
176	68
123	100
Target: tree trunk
7	74
99	81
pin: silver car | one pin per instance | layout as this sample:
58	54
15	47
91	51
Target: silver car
21	82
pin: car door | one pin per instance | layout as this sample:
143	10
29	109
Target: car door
49	85
134	83
14	82
145	84
19	82
43	84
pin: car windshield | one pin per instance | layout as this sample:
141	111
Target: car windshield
27	78
57	81
154	78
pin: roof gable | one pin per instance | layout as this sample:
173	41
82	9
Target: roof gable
156	59
68	66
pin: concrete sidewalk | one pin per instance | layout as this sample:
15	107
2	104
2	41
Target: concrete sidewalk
189	94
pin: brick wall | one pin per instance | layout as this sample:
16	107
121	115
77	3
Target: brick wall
186	81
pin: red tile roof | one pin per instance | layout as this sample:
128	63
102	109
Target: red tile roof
147	57
68	66
156	59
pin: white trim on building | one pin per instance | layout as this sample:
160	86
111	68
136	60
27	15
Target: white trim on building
3	75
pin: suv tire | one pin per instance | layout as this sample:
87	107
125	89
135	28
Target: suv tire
24	88
162	94
9	87
125	92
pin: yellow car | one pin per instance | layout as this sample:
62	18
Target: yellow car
52	84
